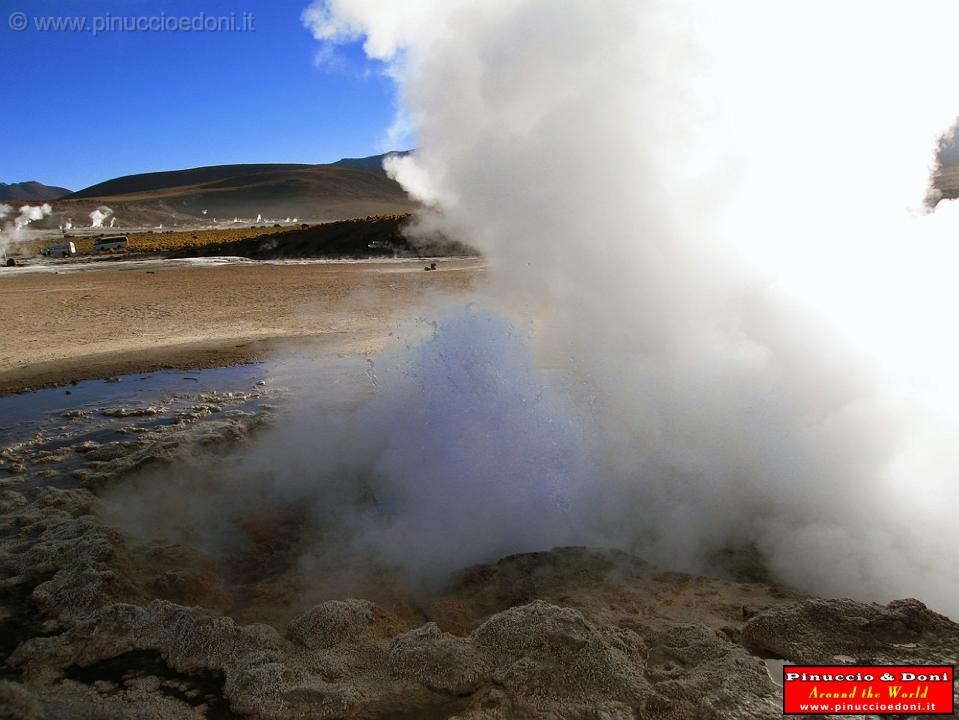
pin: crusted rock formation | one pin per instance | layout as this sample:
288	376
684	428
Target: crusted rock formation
97	624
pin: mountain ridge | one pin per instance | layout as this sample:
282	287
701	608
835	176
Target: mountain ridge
31	190
271	192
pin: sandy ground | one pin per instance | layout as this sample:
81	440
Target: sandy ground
95	320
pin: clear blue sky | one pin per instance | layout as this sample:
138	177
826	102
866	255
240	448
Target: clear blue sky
80	108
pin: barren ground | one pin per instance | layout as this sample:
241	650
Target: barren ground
130	317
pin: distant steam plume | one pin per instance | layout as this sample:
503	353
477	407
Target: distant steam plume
715	215
29	213
99	215
15	231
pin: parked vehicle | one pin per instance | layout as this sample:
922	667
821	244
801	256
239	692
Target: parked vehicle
59	250
112	242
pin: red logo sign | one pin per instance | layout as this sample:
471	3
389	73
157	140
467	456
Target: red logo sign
868	690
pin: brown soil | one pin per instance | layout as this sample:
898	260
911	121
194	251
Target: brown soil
109	319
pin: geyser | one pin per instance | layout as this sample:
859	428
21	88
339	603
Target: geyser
735	308
16	231
29	213
722	206
99	215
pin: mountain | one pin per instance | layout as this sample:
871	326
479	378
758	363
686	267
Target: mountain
349	188
31	191
373	162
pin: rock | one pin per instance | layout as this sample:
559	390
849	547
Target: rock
657	703
814	631
544	650
10	500
52	457
438	660
332	623
18	703
75	591
697	672
125	412
570	633
64	541
110	451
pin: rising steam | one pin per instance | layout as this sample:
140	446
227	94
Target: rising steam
723	208
99	215
741	331
15	231
29	213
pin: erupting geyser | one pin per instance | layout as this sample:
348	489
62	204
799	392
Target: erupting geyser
722	207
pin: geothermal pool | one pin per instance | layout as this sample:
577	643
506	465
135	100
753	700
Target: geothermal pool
64	436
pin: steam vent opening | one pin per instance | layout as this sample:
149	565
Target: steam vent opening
610	372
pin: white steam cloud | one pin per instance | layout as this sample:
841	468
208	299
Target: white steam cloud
15	231
715	214
99	215
29	213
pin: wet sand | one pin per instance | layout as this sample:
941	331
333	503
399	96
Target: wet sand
95	320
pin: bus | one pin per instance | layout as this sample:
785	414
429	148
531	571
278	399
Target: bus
59	250
112	242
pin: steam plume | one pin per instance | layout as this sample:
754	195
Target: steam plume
15	231
720	238
730	231
99	215
29	213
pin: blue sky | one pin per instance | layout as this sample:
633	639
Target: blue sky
80	108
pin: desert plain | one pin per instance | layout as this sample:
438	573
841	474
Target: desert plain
75	321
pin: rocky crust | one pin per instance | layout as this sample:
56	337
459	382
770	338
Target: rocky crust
609	637
96	624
